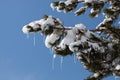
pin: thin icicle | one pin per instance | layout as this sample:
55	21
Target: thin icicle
34	39
61	62
53	61
51	51
74	58
44	37
27	36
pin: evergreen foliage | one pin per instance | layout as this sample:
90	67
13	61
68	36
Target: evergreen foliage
100	55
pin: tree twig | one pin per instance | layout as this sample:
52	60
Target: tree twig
65	28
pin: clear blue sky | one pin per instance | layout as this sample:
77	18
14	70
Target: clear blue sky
19	58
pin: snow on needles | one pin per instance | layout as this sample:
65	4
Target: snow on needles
74	38
52	38
25	30
69	38
42	24
117	67
71	35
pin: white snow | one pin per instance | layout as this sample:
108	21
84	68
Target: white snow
25	29
53	7
106	20
47	41
49	21
80	9
83	39
51	39
41	21
80	0
92	10
96	75
80	26
43	24
94	45
58	9
59	20
89	1
110	45
46	22
77	43
72	46
96	15
88	34
69	38
79	57
117	67
68	2
33	24
103	22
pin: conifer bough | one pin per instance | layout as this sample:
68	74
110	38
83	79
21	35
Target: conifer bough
99	53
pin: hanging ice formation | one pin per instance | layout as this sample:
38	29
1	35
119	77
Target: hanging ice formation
34	40
53	61
61	62
27	36
74	58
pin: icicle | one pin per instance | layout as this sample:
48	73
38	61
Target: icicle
53	61
34	39
51	51
27	36
61	62
74	58
44	37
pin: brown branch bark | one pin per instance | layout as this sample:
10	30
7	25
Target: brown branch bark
65	28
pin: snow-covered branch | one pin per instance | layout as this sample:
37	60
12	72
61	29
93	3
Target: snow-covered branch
46	26
98	54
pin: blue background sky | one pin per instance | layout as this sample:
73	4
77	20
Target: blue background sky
19	58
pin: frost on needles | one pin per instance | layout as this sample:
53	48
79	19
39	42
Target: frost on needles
98	54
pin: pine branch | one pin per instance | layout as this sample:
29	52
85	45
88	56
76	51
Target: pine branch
99	55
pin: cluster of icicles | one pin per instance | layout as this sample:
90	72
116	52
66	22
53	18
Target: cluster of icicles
66	41
53	29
